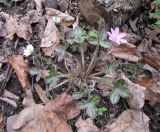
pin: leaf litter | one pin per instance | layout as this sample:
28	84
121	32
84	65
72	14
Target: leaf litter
88	74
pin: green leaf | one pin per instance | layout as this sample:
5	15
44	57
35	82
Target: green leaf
124	92
101	110
93	39
82	104
52	78
77	35
5	1
95	100
158	23
91	110
114	97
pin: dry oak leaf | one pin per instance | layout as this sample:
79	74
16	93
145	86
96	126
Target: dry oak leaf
136	99
86	125
129	121
124	52
20	66
50	38
67	20
15	24
64	104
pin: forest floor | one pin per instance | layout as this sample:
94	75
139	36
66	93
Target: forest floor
59	74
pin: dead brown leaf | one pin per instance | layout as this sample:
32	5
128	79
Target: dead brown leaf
106	85
50	38
129	121
152	92
47	122
136	99
65	105
48	118
124	52
15	24
67	20
86	125
21	68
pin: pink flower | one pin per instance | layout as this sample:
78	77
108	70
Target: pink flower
116	36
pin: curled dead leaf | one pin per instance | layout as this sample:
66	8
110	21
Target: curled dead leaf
129	121
15	24
21	68
50	38
124	52
136	99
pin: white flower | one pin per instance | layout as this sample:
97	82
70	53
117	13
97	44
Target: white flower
57	19
28	50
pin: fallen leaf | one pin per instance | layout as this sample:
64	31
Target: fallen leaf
41	93
148	83
10	121
124	52
64	104
67	20
46	118
15	24
86	125
21	68
47	122
50	38
27	115
136	99
152	92
106	85
129	121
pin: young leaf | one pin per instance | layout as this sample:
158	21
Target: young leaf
94	38
77	35
114	97
123	92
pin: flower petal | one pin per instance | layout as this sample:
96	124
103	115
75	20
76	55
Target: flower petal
123	41
116	31
121	35
109	33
